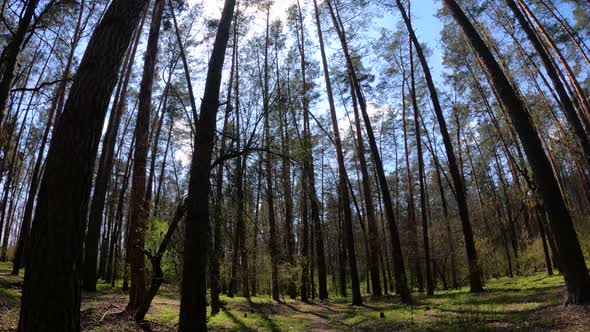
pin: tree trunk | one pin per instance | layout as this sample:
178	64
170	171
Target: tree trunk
138	204
399	268
475	281
193	302
578	91
564	100
219	217
421	177
10	55
373	240
23	244
157	276
268	169
51	291
308	169
573	265
105	166
412	222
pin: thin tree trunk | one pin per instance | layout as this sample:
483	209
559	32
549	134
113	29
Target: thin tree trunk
138	204
10	55
412	222
373	240
475	282
421	177
578	91
268	169
216	255
23	244
157	275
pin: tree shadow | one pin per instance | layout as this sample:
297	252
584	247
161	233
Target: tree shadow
242	326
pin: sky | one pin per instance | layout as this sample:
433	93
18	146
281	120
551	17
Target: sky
426	25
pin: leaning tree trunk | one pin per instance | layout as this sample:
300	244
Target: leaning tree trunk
157	275
574	268
23	237
193	302
51	291
138	204
218	217
10	55
399	265
421	178
475	281
373	240
565	102
105	166
578	90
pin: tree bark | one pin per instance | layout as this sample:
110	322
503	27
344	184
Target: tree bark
138	204
573	265
10	55
268	169
105	166
475	281
309	173
399	268
193	302
373	239
564	100
51	291
421	178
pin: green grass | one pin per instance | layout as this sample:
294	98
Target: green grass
507	304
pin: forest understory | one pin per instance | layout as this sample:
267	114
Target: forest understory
522	303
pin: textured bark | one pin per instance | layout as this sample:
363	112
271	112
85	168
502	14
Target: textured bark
51	292
138	204
193	302
561	224
105	166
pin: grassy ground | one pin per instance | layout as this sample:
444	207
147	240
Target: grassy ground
524	303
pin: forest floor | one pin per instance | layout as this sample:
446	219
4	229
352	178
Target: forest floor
522	303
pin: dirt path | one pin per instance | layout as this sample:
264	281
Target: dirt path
318	315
